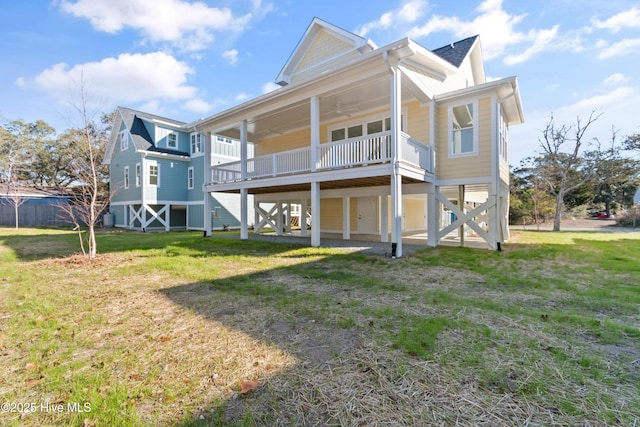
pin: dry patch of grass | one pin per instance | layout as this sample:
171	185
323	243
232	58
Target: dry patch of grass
191	331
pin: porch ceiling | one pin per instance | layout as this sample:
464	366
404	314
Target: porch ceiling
374	181
339	103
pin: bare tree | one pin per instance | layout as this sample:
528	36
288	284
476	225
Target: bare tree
565	164
12	158
90	198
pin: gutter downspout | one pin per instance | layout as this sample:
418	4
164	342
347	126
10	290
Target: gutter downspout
396	178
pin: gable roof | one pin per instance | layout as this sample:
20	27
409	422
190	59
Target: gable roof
456	52
142	140
321	45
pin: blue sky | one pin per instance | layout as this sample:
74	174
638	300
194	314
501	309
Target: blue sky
190	59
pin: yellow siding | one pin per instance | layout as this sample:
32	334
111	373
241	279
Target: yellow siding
288	141
331	214
353	214
469	166
418	118
414	214
323	48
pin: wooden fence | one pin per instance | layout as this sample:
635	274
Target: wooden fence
33	215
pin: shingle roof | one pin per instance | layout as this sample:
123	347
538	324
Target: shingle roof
457	51
141	137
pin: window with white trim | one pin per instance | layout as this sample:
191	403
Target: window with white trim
190	180
503	137
360	129
126	177
172	140
463	139
138	174
196	143
154	175
124	140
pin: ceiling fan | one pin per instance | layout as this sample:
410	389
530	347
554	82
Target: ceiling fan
344	111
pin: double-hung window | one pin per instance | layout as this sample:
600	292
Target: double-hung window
124	140
138	174
172	140
196	143
190	180
154	175
464	129
126	177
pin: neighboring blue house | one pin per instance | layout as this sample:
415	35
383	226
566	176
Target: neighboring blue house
156	168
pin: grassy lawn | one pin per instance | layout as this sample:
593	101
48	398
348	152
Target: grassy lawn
171	329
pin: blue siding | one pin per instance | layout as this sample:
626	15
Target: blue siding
120	159
173	180
196	194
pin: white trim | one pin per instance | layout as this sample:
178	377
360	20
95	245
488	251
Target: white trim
190	178
138	174
126	177
177	157
150	164
159	202
476	131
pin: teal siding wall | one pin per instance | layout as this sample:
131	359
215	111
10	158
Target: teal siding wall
196	216
119	161
195	195
160	136
172	177
118	215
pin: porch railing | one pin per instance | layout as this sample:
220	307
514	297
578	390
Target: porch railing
359	151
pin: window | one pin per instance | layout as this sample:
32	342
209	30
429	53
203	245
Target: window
126	177
463	129
196	145
124	140
190	178
503	136
369	128
172	140
154	175
138	174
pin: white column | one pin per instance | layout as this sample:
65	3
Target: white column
207	178
433	216
384	218
303	217
243	149
346	218
315	214
244	207
244	228
279	218
396	178
315	132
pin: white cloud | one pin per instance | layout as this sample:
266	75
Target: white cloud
541	40
613	98
231	56
198	106
623	47
615	79
270	87
242	96
495	26
129	78
188	25
629	18
408	13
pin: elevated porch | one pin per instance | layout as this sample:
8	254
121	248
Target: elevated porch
367	160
